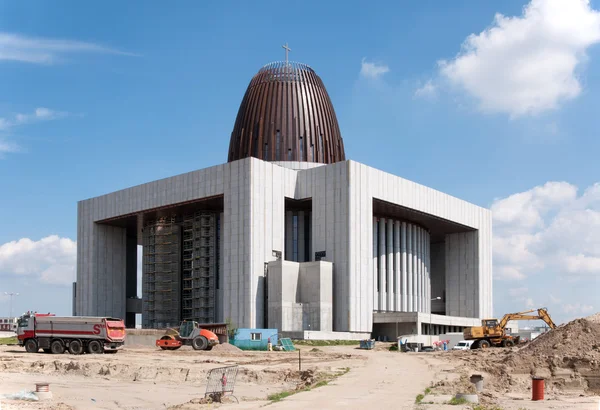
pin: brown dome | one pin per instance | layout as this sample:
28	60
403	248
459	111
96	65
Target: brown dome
286	115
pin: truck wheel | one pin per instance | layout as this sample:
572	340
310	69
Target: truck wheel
508	343
94	347
75	347
484	344
199	343
57	347
31	346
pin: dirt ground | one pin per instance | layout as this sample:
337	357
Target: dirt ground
567	358
148	378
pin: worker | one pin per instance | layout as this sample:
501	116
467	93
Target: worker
269	345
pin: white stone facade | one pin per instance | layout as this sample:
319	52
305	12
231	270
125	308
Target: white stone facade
342	215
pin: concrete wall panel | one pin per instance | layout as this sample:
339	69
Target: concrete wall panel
396	190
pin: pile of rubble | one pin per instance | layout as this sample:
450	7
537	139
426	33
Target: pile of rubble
574	346
568	358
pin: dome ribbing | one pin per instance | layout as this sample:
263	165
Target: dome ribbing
286	115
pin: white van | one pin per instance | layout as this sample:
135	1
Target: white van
463	345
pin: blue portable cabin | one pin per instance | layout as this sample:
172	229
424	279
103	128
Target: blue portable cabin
254	339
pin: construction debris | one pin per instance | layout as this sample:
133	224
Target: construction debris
567	358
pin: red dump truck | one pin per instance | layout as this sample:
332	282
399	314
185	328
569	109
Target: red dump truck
76	334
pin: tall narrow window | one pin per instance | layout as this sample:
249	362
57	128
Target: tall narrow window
376	252
218	251
312	152
307	223
295	237
386	230
277	144
289	154
301	149
266	152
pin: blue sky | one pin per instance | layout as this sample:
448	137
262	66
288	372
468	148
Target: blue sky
500	111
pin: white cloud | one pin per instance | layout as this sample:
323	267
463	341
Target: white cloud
51	259
524	210
39	114
528	64
582	263
7	147
19	119
428	90
372	70
508	273
521	294
548	227
577	308
15	47
587	309
554	299
517	291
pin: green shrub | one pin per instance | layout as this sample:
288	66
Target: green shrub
455	402
9	340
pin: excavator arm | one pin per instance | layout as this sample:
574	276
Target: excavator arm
545	316
542	314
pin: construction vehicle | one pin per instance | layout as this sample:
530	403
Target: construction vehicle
493	333
76	334
190	333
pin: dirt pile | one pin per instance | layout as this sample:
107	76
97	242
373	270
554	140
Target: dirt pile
226	347
575	346
307	379
568	358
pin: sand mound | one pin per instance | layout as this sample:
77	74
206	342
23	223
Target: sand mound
573	345
568	358
595	318
226	347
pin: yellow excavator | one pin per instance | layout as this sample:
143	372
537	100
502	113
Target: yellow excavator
493	333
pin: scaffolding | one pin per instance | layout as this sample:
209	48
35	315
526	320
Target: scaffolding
199	259
180	269
161	285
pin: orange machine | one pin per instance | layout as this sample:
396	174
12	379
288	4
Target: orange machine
190	334
492	333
